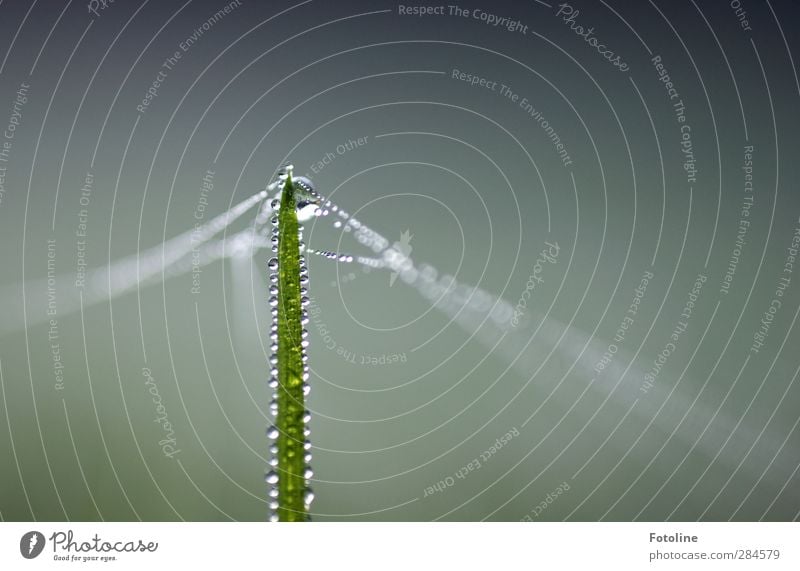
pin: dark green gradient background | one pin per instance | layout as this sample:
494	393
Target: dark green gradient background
275	81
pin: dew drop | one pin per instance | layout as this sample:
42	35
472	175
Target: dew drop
308	473
271	477
306	389
337	224
306	211
272	264
273	301
272	433
308	497
306	416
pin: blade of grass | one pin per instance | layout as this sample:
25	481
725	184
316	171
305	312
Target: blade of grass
291	406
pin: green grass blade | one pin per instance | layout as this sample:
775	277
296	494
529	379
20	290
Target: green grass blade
291	406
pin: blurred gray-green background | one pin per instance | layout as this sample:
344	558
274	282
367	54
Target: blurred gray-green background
413	384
